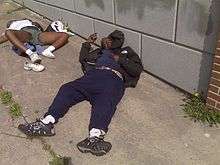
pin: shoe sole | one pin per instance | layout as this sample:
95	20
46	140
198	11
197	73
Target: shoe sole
31	69
35	135
86	150
48	57
35	70
27	68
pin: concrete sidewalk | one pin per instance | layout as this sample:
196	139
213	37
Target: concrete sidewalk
147	129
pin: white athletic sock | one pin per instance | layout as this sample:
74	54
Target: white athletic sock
50	48
48	119
29	52
48	52
94	132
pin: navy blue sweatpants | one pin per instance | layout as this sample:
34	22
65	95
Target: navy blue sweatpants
102	88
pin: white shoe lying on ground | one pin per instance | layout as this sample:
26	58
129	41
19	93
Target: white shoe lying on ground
35	58
34	67
48	54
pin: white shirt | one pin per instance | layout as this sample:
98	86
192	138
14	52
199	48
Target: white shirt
18	25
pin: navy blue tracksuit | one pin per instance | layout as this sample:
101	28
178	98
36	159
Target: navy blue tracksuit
102	88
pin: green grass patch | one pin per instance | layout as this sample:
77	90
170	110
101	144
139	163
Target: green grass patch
6	97
60	161
56	159
196	109
15	110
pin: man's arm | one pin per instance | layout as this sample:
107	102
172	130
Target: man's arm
86	47
84	52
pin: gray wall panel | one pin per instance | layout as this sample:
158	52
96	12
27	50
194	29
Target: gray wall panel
101	9
79	24
175	64
213	27
48	11
66	4
192	22
154	17
132	38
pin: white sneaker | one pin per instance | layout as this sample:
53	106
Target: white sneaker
35	58
34	67
48	54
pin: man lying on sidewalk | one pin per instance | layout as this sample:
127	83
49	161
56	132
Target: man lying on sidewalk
24	31
103	85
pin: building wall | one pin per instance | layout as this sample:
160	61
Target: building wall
175	38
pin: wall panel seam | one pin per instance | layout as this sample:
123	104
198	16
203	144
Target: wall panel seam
176	20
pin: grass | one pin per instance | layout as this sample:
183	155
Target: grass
56	159
15	110
60	161
196	109
6	97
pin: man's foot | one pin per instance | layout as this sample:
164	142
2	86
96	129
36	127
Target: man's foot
37	128
35	58
94	145
48	54
35	67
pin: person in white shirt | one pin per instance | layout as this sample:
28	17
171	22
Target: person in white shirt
23	31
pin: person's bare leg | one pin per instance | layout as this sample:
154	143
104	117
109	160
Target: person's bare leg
3	38
56	39
18	38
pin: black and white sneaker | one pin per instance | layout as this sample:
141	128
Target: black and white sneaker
37	129
96	146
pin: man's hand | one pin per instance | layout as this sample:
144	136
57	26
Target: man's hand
106	43
92	38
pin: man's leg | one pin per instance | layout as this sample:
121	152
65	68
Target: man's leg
103	109
68	95
55	40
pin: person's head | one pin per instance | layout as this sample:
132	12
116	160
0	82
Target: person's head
114	40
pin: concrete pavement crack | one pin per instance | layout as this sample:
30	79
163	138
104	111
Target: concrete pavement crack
12	135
